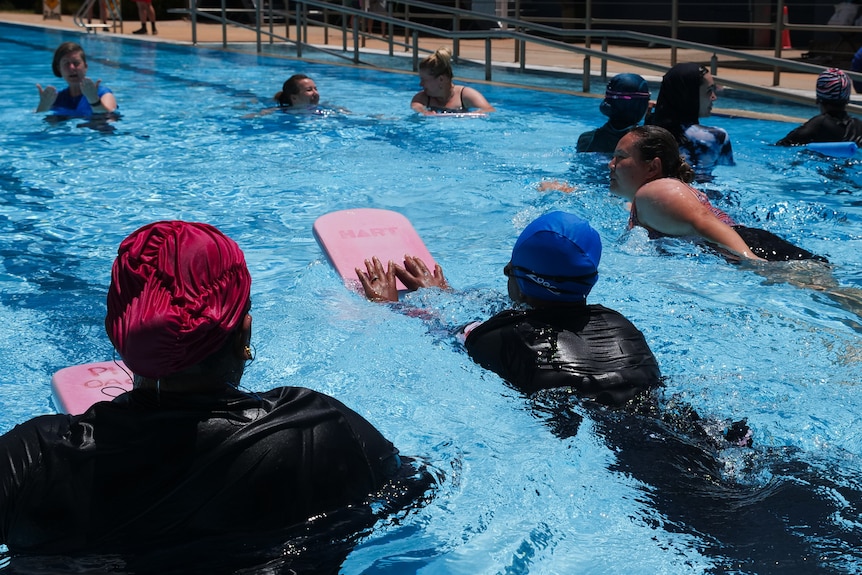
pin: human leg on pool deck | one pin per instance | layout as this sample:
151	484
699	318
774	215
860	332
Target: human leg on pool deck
146	13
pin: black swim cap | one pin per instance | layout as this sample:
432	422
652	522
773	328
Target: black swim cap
626	100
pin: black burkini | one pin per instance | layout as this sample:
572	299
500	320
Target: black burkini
825	127
591	349
603	140
152	467
778	526
772	248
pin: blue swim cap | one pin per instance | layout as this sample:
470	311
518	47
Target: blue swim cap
556	258
626	99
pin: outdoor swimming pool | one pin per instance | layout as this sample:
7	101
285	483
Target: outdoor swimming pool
517	495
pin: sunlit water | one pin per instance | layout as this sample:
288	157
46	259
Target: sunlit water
517	495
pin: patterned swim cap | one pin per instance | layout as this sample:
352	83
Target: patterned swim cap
178	290
833	85
556	258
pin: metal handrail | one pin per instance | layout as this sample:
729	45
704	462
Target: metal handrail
522	32
113	12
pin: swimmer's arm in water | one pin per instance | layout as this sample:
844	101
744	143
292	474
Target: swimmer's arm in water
555	185
419	107
90	90
473	99
379	283
47	97
674	210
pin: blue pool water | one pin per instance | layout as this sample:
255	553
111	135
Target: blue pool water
519	493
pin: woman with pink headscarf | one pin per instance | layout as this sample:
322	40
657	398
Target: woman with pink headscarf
185	455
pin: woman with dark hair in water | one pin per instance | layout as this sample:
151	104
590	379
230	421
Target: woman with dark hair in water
686	95
82	97
648	171
299	91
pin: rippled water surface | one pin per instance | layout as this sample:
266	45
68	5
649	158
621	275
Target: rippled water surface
527	487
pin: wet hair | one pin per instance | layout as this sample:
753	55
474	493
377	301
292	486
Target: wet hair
438	64
656	142
290	88
62	51
678	100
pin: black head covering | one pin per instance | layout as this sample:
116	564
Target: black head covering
678	99
626	100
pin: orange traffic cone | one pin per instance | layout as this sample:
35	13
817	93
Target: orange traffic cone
785	34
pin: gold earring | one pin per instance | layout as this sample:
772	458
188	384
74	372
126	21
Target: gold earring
247	351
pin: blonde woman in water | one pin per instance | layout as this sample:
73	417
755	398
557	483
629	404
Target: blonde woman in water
440	94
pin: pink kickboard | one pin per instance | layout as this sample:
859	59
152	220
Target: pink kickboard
349	237
78	387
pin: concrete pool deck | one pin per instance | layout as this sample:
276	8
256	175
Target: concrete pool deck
211	35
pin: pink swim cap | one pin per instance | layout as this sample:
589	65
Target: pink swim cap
178	290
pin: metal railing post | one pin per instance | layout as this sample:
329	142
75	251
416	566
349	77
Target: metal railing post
415	50
390	27
522	53
518	41
779	31
605	60
224	24
674	29
456	42
257	14
356	40
287	21
488	52
588	17
271	19
585	81
326	26
344	31
193	8
299	10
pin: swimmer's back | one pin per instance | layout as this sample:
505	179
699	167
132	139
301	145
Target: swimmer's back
150	467
592	349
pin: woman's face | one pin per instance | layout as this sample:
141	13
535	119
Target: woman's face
307	96
707	95
628	170
73	68
434	86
